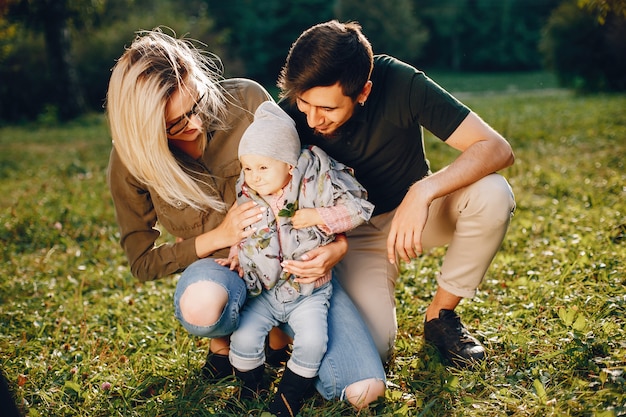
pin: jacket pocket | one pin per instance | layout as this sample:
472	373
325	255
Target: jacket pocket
179	219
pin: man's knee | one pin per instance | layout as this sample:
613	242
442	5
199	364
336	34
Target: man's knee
496	198
202	303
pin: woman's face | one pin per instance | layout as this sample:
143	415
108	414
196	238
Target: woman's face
181	116
265	175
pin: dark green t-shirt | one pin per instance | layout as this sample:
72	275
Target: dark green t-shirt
383	141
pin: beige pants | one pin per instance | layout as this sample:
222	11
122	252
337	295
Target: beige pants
471	221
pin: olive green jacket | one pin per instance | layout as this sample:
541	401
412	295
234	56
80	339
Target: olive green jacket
138	209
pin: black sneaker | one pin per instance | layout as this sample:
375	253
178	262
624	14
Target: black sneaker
453	341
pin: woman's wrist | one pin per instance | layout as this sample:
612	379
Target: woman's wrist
206	244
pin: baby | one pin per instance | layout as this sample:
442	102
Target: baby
310	198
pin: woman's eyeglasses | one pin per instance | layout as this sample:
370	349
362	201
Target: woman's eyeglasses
181	124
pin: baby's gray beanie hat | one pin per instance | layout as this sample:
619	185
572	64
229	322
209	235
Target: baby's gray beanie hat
272	133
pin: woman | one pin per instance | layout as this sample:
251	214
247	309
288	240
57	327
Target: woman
176	127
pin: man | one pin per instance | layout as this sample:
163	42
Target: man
368	112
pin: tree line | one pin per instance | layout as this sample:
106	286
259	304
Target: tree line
56	55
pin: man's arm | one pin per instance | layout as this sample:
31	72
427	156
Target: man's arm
483	152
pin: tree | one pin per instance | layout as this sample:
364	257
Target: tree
58	54
492	35
260	34
53	17
583	52
391	26
604	8
443	20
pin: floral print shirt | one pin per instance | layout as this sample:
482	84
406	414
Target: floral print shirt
318	182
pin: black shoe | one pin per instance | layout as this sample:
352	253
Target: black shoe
216	367
453	341
276	358
292	391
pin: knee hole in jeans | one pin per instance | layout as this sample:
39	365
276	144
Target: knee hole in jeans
202	303
361	393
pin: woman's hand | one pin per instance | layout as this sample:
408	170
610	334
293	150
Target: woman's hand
236	224
318	262
234	228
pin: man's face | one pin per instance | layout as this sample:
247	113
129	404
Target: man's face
326	108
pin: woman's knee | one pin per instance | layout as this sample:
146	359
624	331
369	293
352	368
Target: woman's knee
202	303
362	393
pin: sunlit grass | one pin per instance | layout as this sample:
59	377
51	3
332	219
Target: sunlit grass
79	336
494	82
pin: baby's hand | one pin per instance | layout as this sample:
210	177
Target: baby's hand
306	218
222	261
231	263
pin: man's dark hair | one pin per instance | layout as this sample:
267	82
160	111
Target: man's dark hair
325	54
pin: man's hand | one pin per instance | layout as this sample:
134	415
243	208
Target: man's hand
405	235
318	262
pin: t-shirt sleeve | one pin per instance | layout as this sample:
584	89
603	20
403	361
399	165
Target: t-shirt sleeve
413	98
438	111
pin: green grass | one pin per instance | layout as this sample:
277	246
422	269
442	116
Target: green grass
80	337
494	82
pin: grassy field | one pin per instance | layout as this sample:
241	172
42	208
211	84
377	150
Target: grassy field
80	337
495	82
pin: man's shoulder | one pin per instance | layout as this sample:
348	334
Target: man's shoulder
386	63
393	82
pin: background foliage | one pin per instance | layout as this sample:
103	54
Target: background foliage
586	50
55	55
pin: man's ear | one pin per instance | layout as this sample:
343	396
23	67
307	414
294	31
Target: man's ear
365	92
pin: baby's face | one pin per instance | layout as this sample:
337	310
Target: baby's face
265	175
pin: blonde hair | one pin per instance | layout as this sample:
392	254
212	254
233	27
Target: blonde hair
143	79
